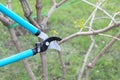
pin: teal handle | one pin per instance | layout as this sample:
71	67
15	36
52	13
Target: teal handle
19	20
16	57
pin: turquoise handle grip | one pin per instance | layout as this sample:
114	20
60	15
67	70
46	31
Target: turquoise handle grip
18	19
16	57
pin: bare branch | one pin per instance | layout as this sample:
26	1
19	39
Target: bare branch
117	24
39	11
100	9
42	55
54	2
8	22
94	11
44	66
26	8
110	36
4	20
92	17
63	66
86	58
28	12
117	13
102	52
55	5
61	2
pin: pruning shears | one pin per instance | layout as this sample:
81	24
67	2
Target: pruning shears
39	47
50	42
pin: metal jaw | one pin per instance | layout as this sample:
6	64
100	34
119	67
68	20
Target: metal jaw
43	46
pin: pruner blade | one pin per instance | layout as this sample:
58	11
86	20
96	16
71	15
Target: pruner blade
50	43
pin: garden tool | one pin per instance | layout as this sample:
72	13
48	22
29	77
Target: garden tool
43	46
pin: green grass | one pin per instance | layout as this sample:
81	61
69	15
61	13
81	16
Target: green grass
62	20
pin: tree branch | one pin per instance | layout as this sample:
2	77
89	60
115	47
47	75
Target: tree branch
39	11
42	55
92	17
4	20
100	9
63	65
28	12
95	32
102	52
55	5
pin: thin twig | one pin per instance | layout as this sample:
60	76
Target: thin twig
117	13
86	58
102	52
28	12
95	32
93	12
100	9
63	65
92	17
110	36
55	5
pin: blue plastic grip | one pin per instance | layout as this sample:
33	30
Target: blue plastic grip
16	57
18	19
